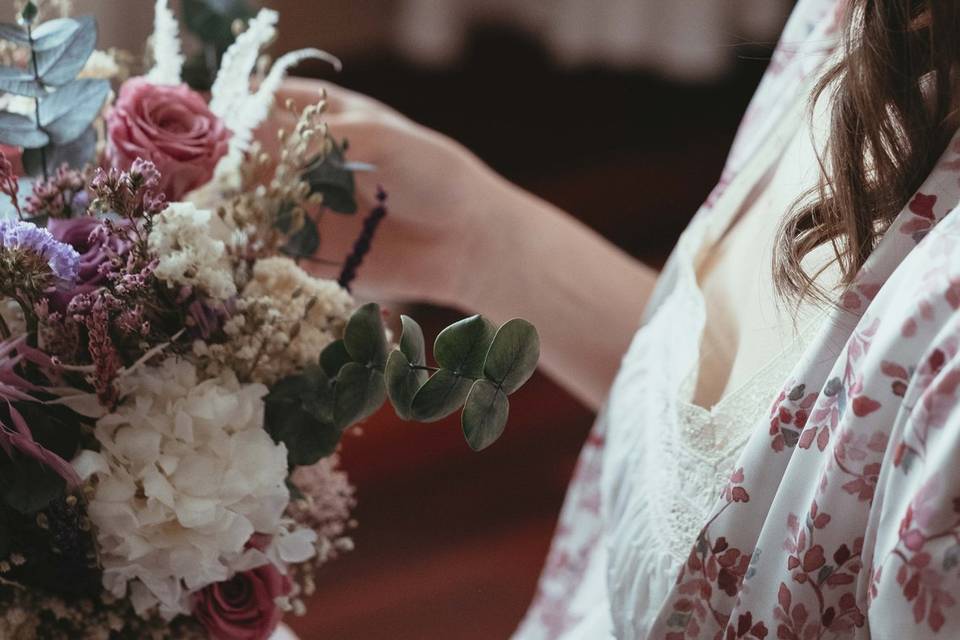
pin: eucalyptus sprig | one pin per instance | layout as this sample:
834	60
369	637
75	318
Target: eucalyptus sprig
60	129
479	367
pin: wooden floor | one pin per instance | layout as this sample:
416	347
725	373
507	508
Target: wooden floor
450	543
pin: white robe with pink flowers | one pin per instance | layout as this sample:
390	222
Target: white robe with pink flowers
841	516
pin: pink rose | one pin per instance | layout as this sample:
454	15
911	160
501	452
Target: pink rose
244	607
170	126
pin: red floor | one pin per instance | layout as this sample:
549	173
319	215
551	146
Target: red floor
450	542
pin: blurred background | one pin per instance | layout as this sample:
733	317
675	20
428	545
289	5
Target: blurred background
618	111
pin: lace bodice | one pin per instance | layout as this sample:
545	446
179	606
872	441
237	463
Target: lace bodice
707	442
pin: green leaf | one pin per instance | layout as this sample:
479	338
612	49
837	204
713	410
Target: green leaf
334	357
20	131
67	112
212	20
403	382
411	341
29	13
462	347
59	58
484	414
13	33
331	176
55	427
513	355
299	413
305	242
306	438
20	82
75	154
364	336
6	538
441	395
360	392
27	485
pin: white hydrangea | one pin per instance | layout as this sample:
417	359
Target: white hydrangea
186	474
191	246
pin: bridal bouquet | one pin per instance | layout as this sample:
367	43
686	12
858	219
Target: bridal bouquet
173	384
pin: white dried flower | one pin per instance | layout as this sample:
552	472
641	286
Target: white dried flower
284	318
191	246
188	475
101	65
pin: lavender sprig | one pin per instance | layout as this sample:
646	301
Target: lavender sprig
362	245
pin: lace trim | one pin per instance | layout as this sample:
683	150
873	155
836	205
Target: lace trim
708	442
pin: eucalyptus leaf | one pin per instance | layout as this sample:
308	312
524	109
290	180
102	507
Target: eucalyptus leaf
66	113
513	355
212	20
440	396
20	131
20	82
330	176
298	413
26	485
364	336
484	414
334	357
307	439
403	381
305	242
62	60
13	33
284	218
53	34
6	538
359	393
412	343
75	154
462	347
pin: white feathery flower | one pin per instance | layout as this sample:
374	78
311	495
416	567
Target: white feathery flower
186	475
191	247
167	56
231	99
232	84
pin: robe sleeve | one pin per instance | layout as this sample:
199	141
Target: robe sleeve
914	568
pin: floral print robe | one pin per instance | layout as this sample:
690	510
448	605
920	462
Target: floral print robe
842	517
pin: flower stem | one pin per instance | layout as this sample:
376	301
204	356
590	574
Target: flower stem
36	101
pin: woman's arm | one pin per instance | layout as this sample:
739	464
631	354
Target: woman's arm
460	235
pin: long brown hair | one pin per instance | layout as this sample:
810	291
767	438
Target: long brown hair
891	121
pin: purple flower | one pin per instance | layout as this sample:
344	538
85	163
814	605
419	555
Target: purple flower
96	247
24	239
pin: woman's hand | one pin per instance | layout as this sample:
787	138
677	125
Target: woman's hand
440	197
460	235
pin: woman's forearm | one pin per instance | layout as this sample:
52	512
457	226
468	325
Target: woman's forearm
585	295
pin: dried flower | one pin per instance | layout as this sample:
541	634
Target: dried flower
32	261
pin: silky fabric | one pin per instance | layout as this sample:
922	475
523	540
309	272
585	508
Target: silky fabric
840	513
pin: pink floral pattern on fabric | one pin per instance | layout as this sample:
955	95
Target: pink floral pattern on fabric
856	470
842	519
